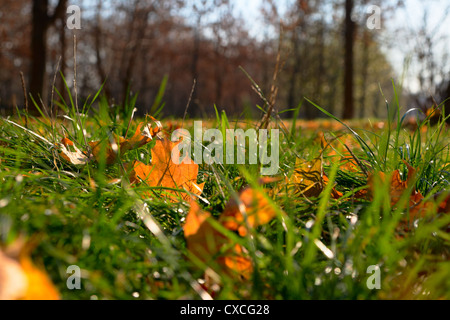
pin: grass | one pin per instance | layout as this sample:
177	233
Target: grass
317	248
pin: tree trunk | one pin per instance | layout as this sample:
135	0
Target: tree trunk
38	50
41	21
364	74
348	110
194	65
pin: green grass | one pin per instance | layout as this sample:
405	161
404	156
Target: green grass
315	249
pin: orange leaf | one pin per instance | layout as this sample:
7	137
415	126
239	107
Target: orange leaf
252	203
206	243
335	194
21	279
40	286
142	136
164	172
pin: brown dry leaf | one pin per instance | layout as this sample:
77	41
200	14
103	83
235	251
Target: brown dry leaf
418	208
71	153
398	188
309	179
251	202
21	279
164	172
143	135
206	243
444	206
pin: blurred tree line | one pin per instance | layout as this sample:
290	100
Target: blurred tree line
325	52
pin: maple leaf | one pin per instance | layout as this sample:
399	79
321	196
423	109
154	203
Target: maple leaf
168	170
143	135
254	205
208	244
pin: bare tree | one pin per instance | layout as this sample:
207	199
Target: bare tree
349	39
41	21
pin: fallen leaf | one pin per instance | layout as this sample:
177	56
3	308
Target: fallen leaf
444	206
398	187
254	205
71	153
39	286
335	194
208	244
168	171
119	145
309	180
13	280
21	279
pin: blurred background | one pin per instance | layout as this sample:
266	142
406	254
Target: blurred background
319	49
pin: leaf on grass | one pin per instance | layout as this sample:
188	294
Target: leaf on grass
444	206
143	135
13	280
398	187
208	244
21	279
168	170
309	180
40	286
71	153
254	205
418	207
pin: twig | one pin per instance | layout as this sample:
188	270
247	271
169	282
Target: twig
75	89
274	88
189	102
53	90
25	97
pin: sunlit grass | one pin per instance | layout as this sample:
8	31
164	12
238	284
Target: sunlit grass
320	248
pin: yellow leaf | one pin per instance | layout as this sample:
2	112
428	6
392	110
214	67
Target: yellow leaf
309	180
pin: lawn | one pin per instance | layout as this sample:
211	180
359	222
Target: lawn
357	210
